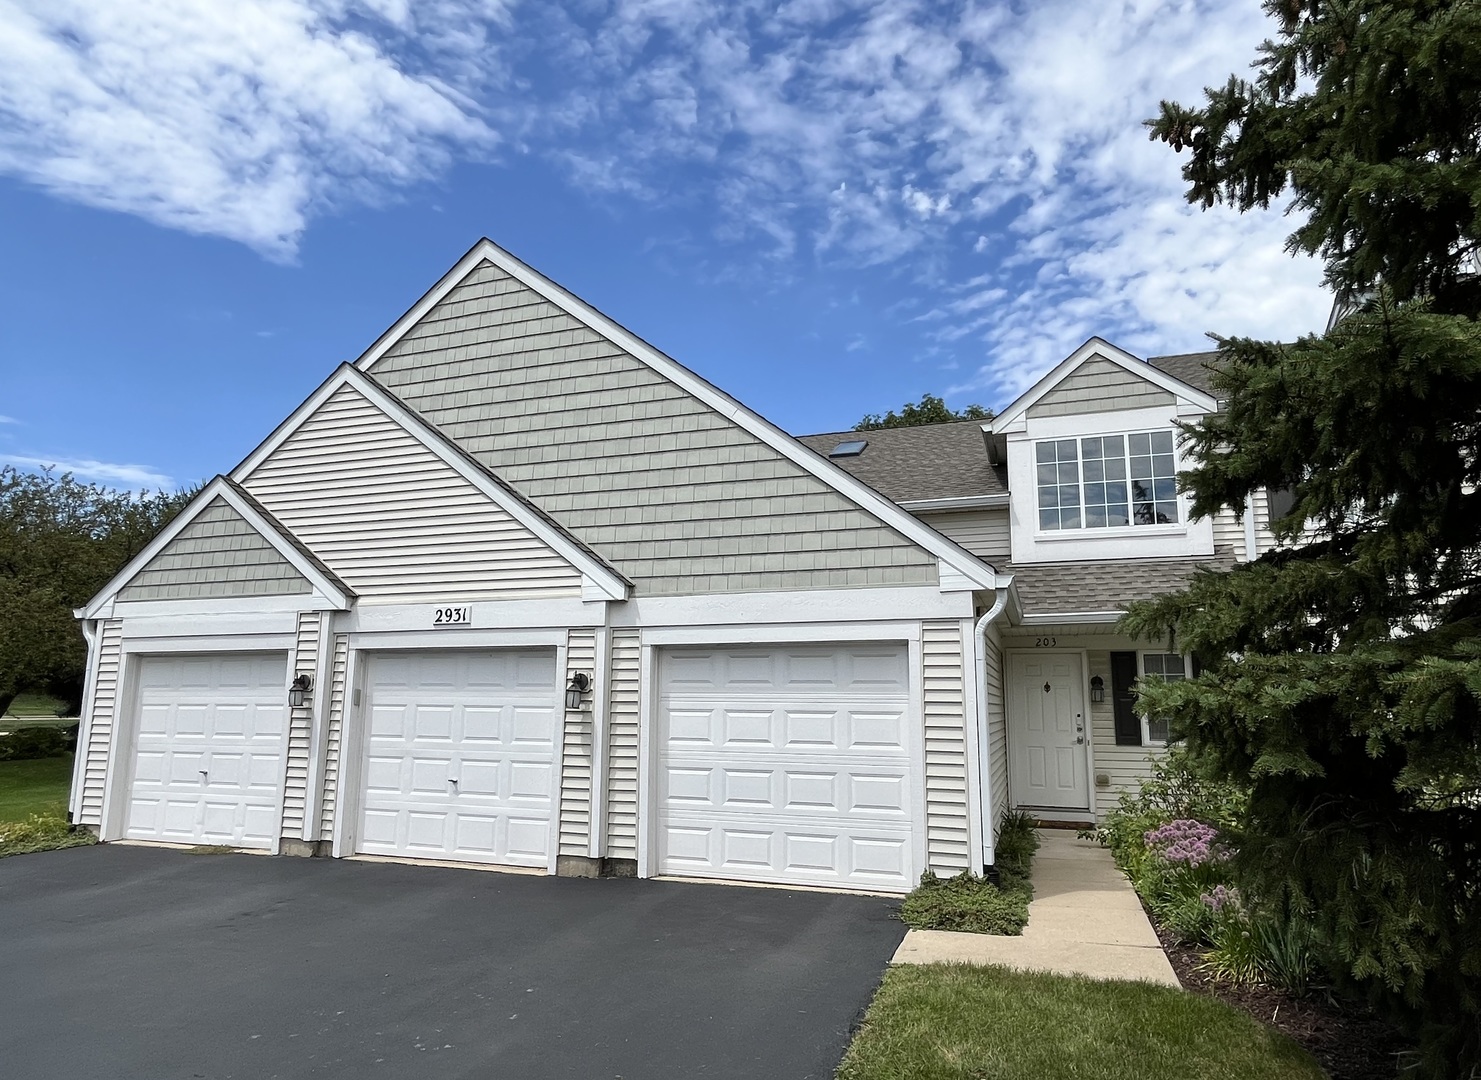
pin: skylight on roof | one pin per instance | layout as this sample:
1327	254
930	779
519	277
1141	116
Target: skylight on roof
852	448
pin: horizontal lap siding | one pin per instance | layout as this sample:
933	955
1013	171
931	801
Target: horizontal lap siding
395	521
300	727
218	554
678	497
997	731
1099	385
1126	766
622	747
1229	532
576	751
101	722
947	838
333	737
982	532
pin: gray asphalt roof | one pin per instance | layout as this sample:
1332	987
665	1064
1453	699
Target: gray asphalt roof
1191	367
1068	587
937	461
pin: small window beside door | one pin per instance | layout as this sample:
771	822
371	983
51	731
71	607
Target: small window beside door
1132	727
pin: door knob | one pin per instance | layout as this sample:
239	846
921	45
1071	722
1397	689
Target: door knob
1080	739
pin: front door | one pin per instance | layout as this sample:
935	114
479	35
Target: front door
1047	730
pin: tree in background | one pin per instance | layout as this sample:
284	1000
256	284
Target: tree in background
929	410
1341	674
60	542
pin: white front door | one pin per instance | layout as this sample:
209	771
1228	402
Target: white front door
787	764
208	757
1047	731
461	757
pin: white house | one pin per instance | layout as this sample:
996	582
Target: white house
516	588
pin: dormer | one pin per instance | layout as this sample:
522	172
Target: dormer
1092	455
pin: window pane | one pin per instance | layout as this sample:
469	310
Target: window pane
1114	447
1117	515
1069	519
1048	519
1158	731
1162	465
1172	665
1065	448
1141	491
1095	469
1116	493
1167	513
1164	490
1162	442
1048	498
1044	452
1116	468
1095	516
1047	473
1068	473
1143	513
1141	468
1095	493
1140	444
1090	447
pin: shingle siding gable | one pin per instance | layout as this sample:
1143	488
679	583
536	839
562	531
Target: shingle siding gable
216	556
678	497
1099	385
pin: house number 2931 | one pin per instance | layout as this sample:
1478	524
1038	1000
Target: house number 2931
1045	642
452	616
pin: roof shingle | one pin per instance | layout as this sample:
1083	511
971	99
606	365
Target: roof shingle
935	461
1082	587
1192	368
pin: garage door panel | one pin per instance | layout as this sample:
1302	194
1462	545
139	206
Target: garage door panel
208	761
462	762
786	763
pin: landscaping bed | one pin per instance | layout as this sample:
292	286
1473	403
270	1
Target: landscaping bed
975	905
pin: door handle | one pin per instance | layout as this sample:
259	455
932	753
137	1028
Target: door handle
1080	739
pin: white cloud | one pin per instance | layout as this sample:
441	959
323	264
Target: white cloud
241	119
103	472
8	420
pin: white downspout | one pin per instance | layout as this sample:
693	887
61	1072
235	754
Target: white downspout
989	840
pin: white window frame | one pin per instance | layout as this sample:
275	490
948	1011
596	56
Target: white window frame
1141	673
1084	531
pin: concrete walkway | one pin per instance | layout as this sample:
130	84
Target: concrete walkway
1085	919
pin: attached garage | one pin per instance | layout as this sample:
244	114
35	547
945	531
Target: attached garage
461	757
209	749
787	764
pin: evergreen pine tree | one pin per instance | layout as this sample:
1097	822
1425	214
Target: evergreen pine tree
1341	673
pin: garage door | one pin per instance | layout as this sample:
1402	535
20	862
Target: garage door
462	756
786	764
208	760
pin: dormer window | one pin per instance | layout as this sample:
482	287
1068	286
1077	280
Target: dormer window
1108	481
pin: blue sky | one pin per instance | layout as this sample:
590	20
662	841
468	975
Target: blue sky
826	207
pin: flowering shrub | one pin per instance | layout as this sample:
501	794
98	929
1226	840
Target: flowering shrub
1221	897
1185	841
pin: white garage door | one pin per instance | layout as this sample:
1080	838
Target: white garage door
786	764
462	756
208	763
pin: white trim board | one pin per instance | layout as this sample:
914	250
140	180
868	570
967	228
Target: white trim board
327	591
1097	346
982	575
598	580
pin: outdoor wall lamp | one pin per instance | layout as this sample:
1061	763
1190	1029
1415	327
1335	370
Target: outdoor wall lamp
576	690
300	686
1097	689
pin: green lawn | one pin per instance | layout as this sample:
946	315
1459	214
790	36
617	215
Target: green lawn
34	787
29	704
951	1022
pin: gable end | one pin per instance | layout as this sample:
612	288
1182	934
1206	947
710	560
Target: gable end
1098	385
218	554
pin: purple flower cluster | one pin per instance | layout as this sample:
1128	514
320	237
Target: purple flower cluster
1185	841
1221	897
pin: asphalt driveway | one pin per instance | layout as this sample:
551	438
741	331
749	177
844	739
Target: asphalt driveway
122	962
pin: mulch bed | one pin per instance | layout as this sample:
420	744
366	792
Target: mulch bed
1349	1041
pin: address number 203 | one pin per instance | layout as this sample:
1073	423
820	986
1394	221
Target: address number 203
452	616
1045	642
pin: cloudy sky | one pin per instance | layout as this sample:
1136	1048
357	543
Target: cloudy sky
827	207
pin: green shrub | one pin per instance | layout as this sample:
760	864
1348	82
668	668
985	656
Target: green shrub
1280	950
968	903
973	904
30	742
41	832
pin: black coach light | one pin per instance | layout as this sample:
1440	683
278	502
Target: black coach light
576	690
1097	689
300	686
